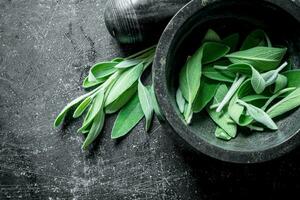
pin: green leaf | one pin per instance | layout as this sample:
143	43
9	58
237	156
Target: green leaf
121	100
82	107
257	81
205	94
101	70
87	84
254	97
259	115
211	36
261	58
125	81
271	76
241	68
256	38
95	130
278	94
128	63
288	103
145	101
128	118
280	83
232	41
222	119
155	105
95	108
61	116
218	75
221	134
293	77
213	51
117	60
189	80
180	100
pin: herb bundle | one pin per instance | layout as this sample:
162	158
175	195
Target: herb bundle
117	86
238	88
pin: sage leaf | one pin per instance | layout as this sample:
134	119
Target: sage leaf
257	81
254	97
189	79
145	101
213	51
280	83
95	108
232	41
259	115
241	68
101	70
273	97
118	60
95	130
128	117
261	58
221	134
256	38
205	94
61	116
180	100
121	100
286	104
222	119
271	76
211	36
293	77
155	105
128	63
218	75
88	84
82	107
125	81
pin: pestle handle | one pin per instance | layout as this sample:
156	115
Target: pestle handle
134	21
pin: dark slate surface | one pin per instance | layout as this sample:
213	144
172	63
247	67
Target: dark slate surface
46	48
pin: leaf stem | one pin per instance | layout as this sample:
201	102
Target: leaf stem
234	87
220	67
140	52
281	67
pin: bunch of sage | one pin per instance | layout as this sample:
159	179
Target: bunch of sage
116	86
238	87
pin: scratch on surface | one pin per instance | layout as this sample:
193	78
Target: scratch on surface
6	80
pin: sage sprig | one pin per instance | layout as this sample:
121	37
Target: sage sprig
117	86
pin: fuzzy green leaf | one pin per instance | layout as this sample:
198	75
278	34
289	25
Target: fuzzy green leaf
155	105
121	100
232	41
261	58
288	103
211	36
205	94
256	38
221	134
128	117
146	104
95	130
259	115
125	81
95	108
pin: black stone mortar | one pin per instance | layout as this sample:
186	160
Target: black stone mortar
183	35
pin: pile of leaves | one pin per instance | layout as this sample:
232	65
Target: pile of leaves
239	84
116	87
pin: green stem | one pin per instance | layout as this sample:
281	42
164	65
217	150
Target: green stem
140	52
234	87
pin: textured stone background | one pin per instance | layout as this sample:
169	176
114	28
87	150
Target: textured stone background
46	48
